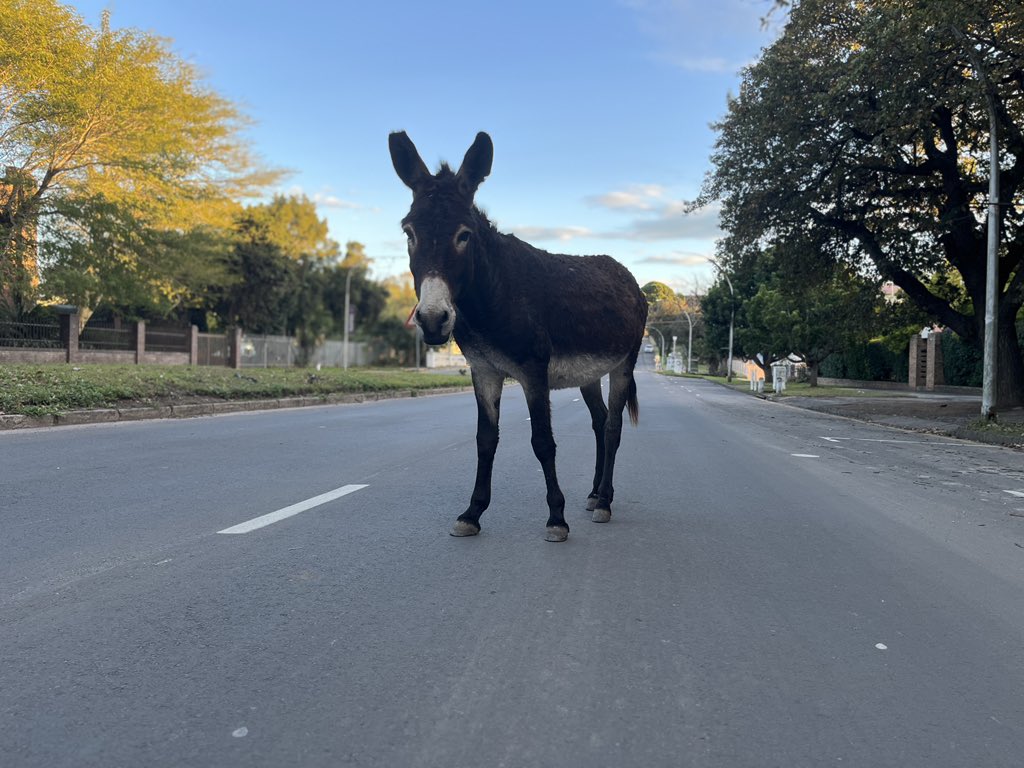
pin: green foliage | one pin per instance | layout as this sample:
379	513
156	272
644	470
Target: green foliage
101	252
867	362
46	389
864	129
961	363
292	224
657	292
107	125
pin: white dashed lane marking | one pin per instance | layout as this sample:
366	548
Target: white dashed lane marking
291	511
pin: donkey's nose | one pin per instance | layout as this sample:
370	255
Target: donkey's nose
433	318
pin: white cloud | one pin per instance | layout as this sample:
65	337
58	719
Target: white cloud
713	64
704	37
672	221
677	259
638	197
562	234
332	201
324	199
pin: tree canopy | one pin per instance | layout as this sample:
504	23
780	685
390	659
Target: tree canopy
109	115
864	130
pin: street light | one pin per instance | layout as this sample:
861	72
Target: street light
689	344
652	328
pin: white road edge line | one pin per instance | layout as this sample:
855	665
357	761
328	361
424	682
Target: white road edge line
1015	493
964	444
290	511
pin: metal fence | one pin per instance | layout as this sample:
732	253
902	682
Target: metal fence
268	351
30	335
284	352
106	336
167	339
214	349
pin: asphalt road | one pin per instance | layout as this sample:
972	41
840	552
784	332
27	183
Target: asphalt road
776	588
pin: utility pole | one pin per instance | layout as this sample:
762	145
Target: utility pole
991	350
991	346
348	292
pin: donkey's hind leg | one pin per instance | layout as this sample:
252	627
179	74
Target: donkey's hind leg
620	385
598	417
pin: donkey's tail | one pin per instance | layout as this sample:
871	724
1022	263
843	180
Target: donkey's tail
632	406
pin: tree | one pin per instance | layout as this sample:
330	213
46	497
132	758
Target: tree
390	326
656	293
355	256
668	312
112	115
864	129
812	319
100	252
722	307
291	222
260	291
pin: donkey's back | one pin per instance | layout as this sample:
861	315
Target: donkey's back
588	308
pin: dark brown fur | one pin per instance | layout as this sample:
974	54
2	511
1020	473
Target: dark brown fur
547	320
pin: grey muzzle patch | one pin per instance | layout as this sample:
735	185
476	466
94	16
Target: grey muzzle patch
435	313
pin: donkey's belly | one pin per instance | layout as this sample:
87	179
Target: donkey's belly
577	370
563	370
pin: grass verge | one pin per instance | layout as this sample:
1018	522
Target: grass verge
39	390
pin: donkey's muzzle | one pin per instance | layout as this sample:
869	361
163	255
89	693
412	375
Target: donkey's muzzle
435	313
436	329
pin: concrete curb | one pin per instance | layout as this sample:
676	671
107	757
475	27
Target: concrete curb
193	410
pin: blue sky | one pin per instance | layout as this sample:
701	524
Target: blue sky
599	110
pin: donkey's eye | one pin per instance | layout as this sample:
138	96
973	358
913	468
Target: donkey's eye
462	236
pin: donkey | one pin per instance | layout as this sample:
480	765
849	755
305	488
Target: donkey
547	320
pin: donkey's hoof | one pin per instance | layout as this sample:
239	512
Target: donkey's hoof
462	528
556	533
602	515
591	503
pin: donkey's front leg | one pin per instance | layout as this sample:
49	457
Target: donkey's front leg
487	385
538	401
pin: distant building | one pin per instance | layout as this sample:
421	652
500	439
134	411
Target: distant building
891	292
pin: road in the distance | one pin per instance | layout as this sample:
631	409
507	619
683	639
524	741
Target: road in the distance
776	588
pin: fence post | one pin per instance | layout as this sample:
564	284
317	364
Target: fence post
140	341
936	375
193	345
69	336
918	351
235	342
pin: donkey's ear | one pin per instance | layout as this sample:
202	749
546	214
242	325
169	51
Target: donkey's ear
407	161
476	165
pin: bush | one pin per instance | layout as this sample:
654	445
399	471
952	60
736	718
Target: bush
871	362
961	364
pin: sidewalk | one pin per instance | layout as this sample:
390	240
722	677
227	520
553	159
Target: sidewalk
941	414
